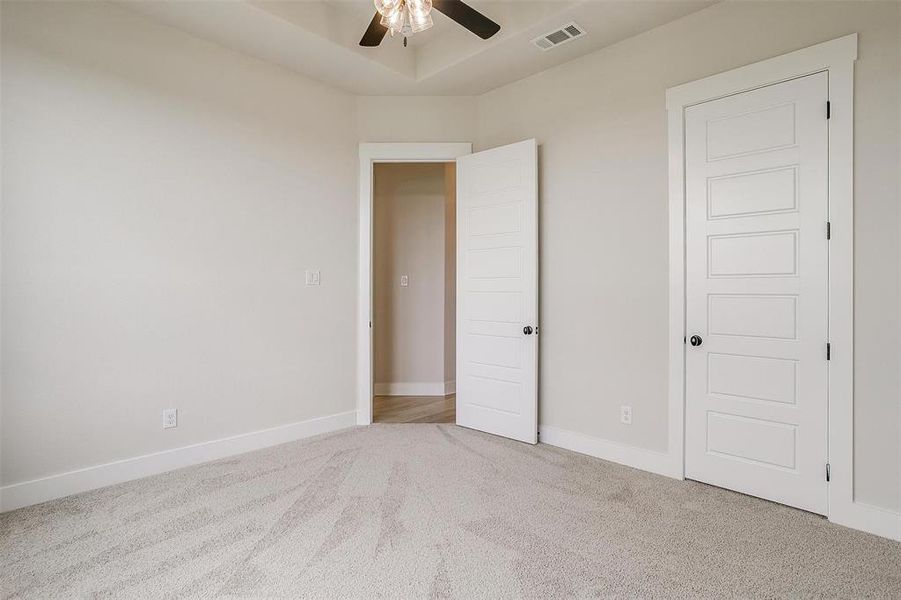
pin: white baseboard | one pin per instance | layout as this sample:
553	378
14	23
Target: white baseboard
631	456
415	388
26	493
865	517
856	515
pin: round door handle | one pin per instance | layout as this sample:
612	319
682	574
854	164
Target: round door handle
696	340
527	330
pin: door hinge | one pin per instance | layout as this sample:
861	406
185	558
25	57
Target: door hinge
828	472
828	230
828	351
828	109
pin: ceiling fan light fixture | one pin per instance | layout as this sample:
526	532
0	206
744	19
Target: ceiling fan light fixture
394	20
405	17
385	7
419	9
420	23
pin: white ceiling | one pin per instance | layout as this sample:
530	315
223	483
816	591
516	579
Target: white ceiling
319	38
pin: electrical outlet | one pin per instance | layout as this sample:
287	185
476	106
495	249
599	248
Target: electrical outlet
625	414
170	418
404	280
312	277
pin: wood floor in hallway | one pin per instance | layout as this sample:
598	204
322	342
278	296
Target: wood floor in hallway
414	409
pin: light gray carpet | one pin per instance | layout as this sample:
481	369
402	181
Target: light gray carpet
430	511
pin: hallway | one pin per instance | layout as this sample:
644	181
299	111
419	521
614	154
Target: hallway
414	409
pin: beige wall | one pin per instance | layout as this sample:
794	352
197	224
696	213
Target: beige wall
409	239
416	118
450	272
601	125
162	197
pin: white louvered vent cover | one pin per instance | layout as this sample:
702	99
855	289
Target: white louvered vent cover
568	32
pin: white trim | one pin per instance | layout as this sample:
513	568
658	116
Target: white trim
676	365
371	153
26	493
820	57
837	58
864	517
414	388
869	518
661	463
450	387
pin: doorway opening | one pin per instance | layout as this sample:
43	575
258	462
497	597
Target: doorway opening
414	292
496	368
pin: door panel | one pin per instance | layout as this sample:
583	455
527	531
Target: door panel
756	292
497	291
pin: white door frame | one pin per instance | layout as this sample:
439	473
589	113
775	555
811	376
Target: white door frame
371	153
837	58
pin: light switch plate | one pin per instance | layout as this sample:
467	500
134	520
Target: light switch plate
404	280
312	277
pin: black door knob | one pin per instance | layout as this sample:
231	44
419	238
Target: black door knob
527	330
696	340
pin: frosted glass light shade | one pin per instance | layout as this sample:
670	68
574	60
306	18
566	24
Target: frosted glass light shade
419	8
405	16
386	6
394	20
420	23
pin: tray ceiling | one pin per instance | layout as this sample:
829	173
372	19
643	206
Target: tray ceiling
319	39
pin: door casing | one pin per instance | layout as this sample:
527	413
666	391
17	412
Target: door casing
370	154
836	58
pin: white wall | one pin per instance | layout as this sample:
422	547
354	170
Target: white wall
601	125
162	197
416	118
409	239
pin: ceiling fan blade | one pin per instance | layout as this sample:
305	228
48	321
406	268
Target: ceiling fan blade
468	17
374	33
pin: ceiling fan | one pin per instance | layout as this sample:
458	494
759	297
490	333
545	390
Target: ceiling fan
406	17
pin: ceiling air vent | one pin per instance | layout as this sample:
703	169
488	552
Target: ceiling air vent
568	32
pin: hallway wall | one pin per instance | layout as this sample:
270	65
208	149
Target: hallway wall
409	325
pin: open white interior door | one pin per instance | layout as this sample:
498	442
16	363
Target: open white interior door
497	291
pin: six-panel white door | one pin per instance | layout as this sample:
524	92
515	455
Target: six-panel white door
497	291
756	299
